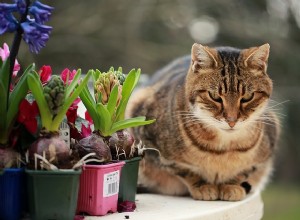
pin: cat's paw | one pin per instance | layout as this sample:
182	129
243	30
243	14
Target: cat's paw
205	192
232	192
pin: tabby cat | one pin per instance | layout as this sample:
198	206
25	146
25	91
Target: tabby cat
214	132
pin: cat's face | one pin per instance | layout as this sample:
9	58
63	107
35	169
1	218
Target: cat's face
228	88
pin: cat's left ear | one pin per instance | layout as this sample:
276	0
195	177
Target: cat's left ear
257	57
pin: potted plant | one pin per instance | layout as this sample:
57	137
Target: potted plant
45	188
13	89
112	90
48	147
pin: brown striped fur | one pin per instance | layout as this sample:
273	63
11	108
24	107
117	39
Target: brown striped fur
213	129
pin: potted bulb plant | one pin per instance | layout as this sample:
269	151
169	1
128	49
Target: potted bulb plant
16	18
112	90
45	188
12	177
27	19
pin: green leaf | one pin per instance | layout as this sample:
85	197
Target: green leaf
112	101
96	75
74	83
3	131
17	95
36	88
99	99
2	108
68	102
128	86
129	123
90	105
4	81
105	119
4	75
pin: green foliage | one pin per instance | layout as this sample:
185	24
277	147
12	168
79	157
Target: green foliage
10	101
51	121
110	117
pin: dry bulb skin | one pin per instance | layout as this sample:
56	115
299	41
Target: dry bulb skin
9	158
93	144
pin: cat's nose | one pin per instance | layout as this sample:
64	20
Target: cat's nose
231	121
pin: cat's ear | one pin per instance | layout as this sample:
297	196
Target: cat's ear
203	57
256	57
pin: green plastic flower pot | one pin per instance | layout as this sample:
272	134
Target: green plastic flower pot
52	194
128	180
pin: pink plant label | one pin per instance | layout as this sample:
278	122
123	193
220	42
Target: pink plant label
111	183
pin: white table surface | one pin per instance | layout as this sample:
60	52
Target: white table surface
160	207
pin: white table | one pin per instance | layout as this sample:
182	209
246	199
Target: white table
160	207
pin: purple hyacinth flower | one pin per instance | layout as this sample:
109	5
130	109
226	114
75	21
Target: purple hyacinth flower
5	8
43	6
7	22
40	12
21	6
35	35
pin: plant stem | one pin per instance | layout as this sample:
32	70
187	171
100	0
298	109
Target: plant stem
15	48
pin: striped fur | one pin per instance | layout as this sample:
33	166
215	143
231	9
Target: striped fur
214	131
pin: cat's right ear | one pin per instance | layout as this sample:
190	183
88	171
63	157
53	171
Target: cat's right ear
203	57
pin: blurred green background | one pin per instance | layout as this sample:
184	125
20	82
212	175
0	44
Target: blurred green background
150	33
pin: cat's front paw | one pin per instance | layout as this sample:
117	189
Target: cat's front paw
205	192
232	192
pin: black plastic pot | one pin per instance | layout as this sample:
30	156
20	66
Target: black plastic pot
128	180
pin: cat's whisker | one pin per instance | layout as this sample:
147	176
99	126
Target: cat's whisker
264	122
278	104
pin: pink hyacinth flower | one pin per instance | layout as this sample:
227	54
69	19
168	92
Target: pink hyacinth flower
66	74
4	54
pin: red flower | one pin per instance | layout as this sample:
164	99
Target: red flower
27	115
88	117
66	74
86	131
72	114
45	73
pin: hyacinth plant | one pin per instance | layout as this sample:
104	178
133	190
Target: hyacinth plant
53	100
29	25
112	91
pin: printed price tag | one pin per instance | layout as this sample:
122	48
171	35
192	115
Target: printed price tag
111	184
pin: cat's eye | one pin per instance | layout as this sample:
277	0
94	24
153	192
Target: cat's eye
247	97
215	97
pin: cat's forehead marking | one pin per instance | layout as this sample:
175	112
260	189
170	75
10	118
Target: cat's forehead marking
229	57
